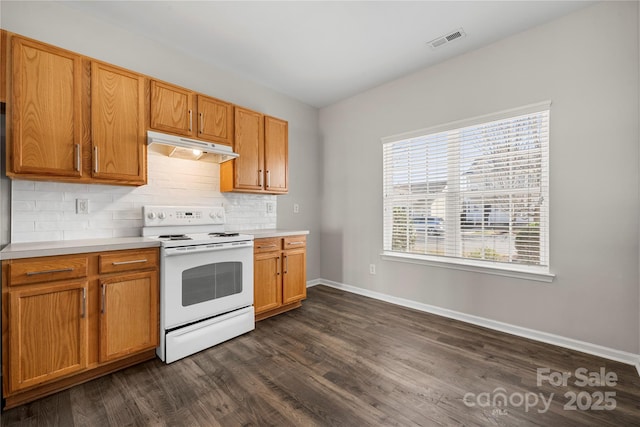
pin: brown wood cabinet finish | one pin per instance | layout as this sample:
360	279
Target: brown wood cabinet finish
215	120
48	340
280	275
128	315
117	123
73	119
181	111
262	167
58	327
276	155
45	111
171	108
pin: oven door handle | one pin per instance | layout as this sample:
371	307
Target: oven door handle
186	250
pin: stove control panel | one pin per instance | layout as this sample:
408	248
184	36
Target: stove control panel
182	215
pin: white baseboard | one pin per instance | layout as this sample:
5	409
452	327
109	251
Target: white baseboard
570	343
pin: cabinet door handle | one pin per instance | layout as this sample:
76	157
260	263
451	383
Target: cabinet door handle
84	303
59	270
260	178
135	261
190	120
277	266
103	303
95	159
201	119
286	264
78	157
268	178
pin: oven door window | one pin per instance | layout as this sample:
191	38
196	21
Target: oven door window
210	282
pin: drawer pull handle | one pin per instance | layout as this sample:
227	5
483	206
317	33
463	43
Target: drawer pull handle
84	303
267	246
295	243
135	261
60	270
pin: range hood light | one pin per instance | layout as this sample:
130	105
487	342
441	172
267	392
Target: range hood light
190	149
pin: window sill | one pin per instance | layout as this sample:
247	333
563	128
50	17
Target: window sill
519	272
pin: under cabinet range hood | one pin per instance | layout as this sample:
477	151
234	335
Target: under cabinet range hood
190	149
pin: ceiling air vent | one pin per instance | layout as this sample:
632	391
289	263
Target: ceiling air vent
448	38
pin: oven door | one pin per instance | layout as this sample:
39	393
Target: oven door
199	282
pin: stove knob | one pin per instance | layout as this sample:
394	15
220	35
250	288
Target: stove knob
219	215
212	215
151	215
162	215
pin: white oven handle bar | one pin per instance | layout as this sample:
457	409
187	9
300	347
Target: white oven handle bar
184	250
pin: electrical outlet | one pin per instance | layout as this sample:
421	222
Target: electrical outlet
296	208
270	207
372	269
82	206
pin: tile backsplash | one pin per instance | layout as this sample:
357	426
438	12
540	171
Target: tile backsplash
44	211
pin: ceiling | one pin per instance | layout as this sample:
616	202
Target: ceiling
322	52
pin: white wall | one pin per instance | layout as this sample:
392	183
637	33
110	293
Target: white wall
69	28
587	65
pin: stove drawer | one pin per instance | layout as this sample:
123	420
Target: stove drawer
138	259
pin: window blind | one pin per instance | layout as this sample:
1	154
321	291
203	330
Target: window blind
474	191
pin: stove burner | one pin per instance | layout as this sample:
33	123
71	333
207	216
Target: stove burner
174	237
224	234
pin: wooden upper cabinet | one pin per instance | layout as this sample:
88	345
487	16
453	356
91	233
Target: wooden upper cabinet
215	120
263	165
46	110
117	124
171	109
276	154
249	144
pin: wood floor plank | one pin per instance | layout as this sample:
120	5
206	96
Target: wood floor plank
347	360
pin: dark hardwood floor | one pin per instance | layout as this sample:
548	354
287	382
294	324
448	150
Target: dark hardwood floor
344	359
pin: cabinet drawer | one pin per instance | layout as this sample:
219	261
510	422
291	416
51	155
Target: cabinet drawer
293	242
47	269
267	245
128	260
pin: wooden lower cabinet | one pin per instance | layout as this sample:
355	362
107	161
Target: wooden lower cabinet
63	329
133	297
48	333
280	275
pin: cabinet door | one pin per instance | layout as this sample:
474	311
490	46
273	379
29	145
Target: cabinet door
117	124
276	154
249	144
128	314
267	287
47	333
171	109
215	120
294	278
46	110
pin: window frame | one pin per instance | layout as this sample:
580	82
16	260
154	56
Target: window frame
509	269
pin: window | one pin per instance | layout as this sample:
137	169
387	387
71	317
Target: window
473	192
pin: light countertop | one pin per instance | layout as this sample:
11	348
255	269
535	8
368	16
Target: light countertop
65	247
273	232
